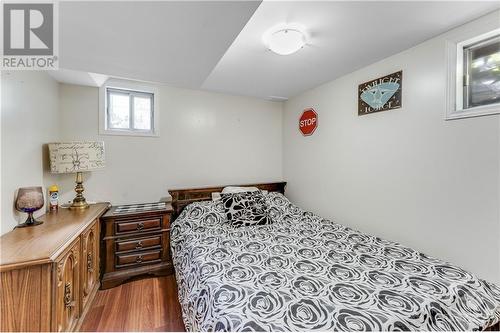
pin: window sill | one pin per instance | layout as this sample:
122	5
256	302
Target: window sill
478	111
129	133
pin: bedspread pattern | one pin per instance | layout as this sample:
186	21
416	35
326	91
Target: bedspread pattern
303	272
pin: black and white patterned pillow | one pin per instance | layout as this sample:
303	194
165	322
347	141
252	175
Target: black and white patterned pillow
245	208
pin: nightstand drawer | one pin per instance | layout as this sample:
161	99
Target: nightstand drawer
137	258
130	226
138	244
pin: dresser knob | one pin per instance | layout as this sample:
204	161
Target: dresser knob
138	245
140	226
138	259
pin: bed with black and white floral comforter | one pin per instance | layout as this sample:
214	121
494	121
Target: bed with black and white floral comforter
304	273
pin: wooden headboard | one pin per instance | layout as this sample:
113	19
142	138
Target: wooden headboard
183	197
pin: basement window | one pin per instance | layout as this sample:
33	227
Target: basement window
128	110
477	88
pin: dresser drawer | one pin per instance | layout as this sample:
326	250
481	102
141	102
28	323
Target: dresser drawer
137	258
142	225
137	244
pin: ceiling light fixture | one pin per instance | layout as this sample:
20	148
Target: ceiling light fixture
284	40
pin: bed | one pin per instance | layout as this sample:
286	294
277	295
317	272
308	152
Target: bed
305	273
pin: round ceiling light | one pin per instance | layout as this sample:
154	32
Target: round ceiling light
285	41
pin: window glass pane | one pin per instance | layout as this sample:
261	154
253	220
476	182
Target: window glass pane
483	68
119	111
142	113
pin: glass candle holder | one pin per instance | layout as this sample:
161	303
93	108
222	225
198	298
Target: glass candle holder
29	200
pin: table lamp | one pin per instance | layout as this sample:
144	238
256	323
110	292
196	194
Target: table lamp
77	157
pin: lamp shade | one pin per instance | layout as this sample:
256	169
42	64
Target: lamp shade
71	157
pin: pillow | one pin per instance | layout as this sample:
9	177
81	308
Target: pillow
239	189
216	195
245	208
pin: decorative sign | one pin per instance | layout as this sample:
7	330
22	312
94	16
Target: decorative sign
308	122
381	94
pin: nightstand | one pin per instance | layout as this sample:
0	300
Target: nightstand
135	241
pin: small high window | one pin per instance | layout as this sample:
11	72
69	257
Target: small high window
482	73
477	76
127	109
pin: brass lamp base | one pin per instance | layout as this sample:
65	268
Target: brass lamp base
79	201
79	205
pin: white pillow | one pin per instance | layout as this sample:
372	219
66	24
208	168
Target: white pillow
238	189
216	196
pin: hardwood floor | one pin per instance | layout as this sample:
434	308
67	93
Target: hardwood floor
149	304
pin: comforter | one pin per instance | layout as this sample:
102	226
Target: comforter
305	273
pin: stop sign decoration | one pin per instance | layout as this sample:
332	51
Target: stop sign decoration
308	122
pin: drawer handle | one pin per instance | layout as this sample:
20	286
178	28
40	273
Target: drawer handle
140	226
67	296
138	259
138	245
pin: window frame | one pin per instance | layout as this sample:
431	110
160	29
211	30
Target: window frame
131	95
456	67
130	88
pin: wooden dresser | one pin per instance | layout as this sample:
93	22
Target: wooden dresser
136	242
49	273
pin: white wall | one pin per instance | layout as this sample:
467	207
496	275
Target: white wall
29	118
406	174
205	139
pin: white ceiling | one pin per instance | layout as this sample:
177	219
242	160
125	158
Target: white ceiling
177	43
218	45
344	36
79	77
